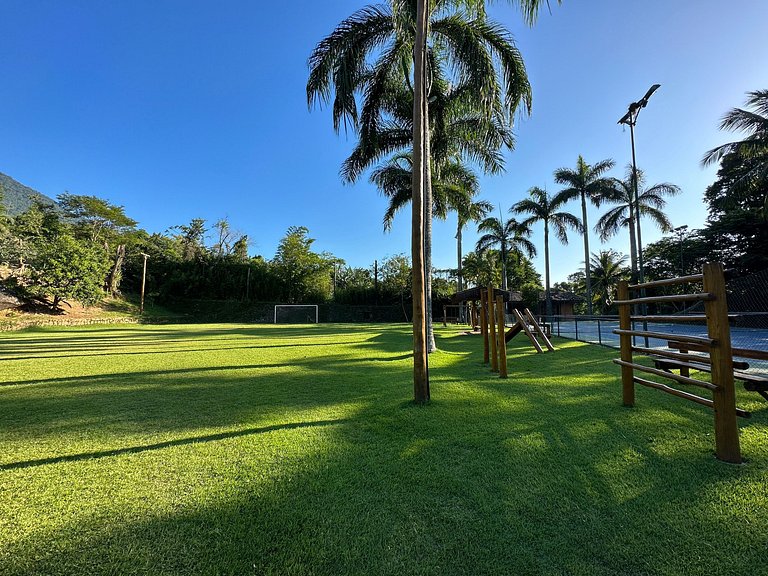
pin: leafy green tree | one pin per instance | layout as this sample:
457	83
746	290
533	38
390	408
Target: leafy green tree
64	268
27	230
510	236
544	208
650	203
587	183
191	239
240	249
481	269
305	275
679	255
98	221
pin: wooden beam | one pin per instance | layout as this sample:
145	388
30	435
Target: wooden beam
492	330
701	340
502	341
687	395
724	397
539	331
668	281
527	330
625	344
670	375
704	296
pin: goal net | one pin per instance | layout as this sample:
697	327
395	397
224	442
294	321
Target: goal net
296	314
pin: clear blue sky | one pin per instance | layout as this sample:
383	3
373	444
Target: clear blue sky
183	109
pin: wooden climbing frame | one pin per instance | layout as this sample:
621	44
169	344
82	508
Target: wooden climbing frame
716	346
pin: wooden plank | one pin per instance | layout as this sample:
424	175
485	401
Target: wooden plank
653	352
670	375
527	330
539	331
512	332
625	342
748	353
502	341
687	395
724	397
704	296
701	340
668	281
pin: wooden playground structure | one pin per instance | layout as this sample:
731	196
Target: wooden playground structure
713	353
492	320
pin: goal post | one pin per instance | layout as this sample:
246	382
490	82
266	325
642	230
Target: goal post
296	313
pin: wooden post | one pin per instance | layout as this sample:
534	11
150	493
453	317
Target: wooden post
484	326
143	283
492	330
625	341
684	370
721	356
502	341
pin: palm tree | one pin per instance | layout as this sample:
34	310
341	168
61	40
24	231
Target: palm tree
508	235
753	150
454	188
587	182
460	126
339	61
650	202
607	269
544	208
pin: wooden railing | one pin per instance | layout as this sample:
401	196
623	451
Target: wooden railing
717	357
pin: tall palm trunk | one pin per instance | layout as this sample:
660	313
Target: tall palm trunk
504	282
587	271
459	277
547	293
420	373
431	346
632	243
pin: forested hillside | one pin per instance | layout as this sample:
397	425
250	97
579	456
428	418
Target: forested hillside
18	198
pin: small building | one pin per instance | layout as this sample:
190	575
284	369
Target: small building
563	303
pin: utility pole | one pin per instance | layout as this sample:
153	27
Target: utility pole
143	283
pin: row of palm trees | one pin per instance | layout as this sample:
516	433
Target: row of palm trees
589	184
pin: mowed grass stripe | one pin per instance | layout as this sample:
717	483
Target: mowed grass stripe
245	449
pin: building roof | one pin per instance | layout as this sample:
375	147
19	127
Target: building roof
560	296
472	294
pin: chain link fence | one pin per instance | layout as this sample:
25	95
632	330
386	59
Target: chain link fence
747	306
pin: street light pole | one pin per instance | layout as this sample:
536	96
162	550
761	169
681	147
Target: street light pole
630	119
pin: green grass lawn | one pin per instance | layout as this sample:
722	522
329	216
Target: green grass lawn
238	449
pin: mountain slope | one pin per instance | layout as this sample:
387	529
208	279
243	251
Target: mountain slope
17	198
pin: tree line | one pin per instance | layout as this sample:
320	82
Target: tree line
85	248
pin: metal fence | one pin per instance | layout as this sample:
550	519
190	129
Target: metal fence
748	330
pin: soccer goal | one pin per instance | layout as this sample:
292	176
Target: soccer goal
296	314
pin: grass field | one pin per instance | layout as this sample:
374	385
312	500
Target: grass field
237	449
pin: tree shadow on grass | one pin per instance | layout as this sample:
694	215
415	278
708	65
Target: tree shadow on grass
494	477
